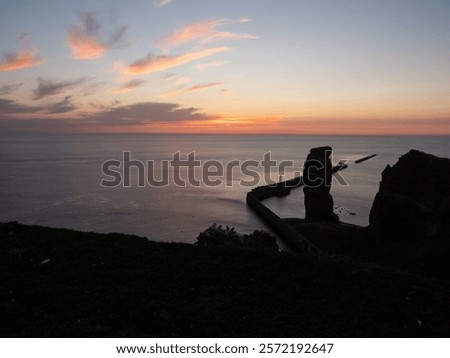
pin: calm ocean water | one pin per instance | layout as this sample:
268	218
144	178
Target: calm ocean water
55	180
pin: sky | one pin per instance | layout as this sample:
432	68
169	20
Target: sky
225	66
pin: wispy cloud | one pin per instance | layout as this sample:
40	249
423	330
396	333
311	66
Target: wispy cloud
90	88
9	107
203	66
169	76
153	63
8	89
63	106
188	33
127	87
226	35
22	59
49	88
181	81
161	3
203	31
87	42
192	89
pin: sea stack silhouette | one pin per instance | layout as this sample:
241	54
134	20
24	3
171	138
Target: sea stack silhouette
317	177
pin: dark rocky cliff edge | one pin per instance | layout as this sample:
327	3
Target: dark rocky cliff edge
410	216
414	199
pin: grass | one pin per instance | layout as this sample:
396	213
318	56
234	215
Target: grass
114	285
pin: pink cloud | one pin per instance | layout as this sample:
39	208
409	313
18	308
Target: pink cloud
127	87
225	35
23	59
85	39
192	89
153	63
188	33
203	31
85	47
181	81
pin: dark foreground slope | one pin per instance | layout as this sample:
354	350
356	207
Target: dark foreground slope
119	285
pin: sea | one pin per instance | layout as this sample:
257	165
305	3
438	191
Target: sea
184	183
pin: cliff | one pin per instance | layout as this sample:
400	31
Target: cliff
414	198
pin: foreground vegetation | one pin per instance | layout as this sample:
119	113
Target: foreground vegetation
62	283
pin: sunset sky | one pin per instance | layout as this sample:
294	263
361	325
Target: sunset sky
225	66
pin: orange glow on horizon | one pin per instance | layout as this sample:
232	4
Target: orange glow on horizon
275	126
